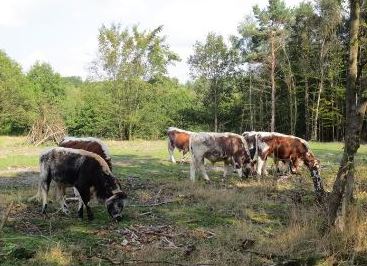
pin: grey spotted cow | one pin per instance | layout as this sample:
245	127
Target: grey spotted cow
227	147
85	171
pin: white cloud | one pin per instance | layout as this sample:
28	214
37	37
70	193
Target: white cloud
31	58
64	32
15	13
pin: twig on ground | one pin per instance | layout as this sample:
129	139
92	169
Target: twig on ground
145	213
6	215
169	242
157	196
153	204
137	261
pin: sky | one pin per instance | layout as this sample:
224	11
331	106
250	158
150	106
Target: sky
63	33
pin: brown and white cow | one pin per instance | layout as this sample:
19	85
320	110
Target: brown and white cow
88	144
177	138
227	147
285	148
85	171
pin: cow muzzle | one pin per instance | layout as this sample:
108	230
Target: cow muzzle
115	205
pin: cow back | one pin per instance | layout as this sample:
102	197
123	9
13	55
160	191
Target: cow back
88	144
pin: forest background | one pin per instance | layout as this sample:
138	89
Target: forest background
285	70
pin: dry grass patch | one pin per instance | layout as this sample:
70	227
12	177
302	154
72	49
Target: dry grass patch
54	255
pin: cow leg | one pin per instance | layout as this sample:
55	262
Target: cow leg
226	169
260	164
60	189
170	152
237	166
294	165
45	186
277	165
202	168
184	155
80	203
263	169
193	167
85	196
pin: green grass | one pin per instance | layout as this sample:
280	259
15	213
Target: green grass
242	222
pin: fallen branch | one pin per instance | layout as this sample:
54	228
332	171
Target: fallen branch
48	136
154	204
6	215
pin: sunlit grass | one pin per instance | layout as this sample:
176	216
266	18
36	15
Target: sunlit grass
279	217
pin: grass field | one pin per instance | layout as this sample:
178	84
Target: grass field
171	220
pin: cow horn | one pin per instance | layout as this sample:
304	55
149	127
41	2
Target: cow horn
117	190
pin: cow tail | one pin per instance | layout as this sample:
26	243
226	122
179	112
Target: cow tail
190	148
44	175
256	147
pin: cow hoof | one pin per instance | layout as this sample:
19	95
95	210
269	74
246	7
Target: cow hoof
90	217
118	218
66	211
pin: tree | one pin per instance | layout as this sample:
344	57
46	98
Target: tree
16	99
328	20
213	62
128	59
356	105
265	36
49	90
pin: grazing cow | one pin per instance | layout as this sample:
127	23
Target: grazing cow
285	148
88	144
227	147
177	138
83	170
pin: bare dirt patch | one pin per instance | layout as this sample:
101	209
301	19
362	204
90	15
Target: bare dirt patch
19	177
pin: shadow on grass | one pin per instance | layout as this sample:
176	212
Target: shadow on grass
148	167
219	206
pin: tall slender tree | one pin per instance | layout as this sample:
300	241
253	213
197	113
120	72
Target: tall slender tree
263	39
356	105
213	62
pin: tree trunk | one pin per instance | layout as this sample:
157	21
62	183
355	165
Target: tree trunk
215	108
272	76
342	193
251	112
320	89
292	93
307	125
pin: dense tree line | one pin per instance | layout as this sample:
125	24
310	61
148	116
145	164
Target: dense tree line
285	70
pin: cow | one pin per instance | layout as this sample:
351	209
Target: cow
88	144
285	148
177	138
85	171
227	147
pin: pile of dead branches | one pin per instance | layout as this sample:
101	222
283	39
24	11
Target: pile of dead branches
48	127
138	235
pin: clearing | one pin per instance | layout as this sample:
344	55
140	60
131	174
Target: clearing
171	220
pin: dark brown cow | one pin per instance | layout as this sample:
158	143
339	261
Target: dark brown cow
285	148
227	147
83	170
88	144
177	138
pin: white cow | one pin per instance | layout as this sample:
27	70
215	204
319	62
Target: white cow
227	147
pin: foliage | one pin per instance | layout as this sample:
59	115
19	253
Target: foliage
129	59
284	63
16	98
213	64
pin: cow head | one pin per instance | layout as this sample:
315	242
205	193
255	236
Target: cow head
115	204
312	163
242	162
